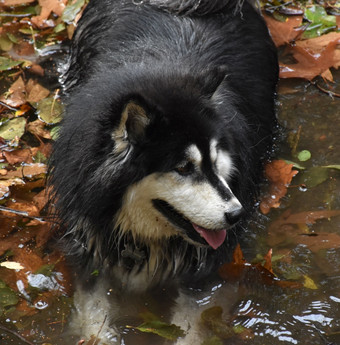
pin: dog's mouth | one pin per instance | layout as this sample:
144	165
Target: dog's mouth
196	233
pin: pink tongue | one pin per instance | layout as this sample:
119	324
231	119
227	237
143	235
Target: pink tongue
214	238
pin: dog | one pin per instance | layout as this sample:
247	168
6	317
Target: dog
170	109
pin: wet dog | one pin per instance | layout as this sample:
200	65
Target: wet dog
169	112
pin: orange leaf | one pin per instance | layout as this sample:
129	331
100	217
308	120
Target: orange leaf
255	273
314	57
17	94
18	156
283	32
279	174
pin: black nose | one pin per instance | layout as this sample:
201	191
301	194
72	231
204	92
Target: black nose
234	216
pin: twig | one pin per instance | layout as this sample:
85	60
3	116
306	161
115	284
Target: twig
16	334
20	213
101	327
8	106
329	92
296	141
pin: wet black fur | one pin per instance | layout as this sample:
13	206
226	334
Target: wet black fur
170	60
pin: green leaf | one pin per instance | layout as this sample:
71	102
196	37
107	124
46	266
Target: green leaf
309	283
49	110
212	341
304	155
55	132
321	23
334	166
8	297
6	63
71	11
5	44
12	38
60	27
295	165
13	128
40	158
315	176
164	330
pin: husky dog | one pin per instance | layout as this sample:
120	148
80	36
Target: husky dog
169	111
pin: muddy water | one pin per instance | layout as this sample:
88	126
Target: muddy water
304	251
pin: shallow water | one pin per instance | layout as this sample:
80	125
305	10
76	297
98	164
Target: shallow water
302	251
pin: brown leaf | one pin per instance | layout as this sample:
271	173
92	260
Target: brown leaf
16	2
279	174
287	227
284	32
47	7
35	92
5	184
40	199
24	206
18	156
38	128
16	94
314	57
255	273
29	171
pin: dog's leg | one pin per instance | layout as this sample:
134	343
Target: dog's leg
93	313
187	316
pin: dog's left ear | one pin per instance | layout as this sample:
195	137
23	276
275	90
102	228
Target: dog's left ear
133	122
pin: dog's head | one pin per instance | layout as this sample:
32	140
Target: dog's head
185	191
163	161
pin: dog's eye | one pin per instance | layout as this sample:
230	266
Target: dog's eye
186	169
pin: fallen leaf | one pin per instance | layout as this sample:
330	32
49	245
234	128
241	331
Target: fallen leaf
314	57
286	228
18	156
244	272
279	174
35	92
7	63
154	325
12	129
5	184
16	94
309	283
28	171
11	265
212	318
16	2
49	110
38	128
47	7
284	32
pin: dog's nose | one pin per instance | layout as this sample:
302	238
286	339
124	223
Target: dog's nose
235	215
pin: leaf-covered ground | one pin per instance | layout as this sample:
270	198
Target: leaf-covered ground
298	220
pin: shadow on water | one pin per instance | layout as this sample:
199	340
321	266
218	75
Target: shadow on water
308	252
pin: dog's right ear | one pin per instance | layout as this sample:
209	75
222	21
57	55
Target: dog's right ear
132	124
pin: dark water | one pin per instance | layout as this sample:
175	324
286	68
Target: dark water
304	252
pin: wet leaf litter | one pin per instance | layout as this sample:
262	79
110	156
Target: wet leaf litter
30	113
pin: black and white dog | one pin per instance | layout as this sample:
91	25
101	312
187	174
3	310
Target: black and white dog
170	109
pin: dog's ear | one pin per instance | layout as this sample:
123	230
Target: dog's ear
133	122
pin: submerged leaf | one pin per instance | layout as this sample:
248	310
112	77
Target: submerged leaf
212	341
13	128
165	330
309	283
7	63
279	174
49	110
304	155
315	176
